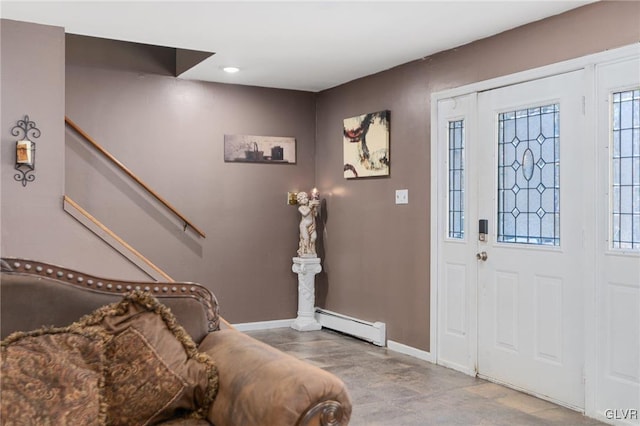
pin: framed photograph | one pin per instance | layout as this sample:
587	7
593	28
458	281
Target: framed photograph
366	145
259	149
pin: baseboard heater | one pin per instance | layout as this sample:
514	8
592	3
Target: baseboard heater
374	332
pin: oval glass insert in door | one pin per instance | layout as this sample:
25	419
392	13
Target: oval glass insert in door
529	176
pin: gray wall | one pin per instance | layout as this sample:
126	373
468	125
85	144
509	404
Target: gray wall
377	253
170	132
33	223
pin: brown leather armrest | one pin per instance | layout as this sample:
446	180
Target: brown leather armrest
260	385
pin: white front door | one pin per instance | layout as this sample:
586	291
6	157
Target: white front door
531	171
554	309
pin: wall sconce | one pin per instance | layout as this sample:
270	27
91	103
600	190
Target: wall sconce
292	197
25	150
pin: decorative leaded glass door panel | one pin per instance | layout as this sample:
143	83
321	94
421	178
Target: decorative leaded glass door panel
528	176
530	298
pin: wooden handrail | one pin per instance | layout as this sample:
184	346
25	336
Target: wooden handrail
100	225
133	176
111	234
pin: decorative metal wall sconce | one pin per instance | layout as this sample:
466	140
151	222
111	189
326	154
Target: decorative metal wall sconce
292	197
25	150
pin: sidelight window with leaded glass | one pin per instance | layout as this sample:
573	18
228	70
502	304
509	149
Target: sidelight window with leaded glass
625	165
456	179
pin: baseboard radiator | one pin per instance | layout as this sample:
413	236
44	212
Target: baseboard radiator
374	332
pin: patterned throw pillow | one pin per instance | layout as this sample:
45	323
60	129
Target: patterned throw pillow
153	369
128	363
53	376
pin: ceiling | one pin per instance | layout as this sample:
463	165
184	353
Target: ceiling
301	45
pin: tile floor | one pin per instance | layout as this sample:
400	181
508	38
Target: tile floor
389	388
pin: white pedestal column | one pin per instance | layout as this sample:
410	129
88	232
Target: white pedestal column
306	268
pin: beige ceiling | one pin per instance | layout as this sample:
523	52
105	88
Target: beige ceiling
302	45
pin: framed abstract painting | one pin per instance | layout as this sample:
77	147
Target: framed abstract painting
366	145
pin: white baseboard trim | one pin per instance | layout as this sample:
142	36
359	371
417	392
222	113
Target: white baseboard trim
374	332
345	325
263	325
411	351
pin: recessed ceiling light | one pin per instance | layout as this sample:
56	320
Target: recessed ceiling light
231	70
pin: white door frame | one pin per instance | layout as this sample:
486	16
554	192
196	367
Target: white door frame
587	63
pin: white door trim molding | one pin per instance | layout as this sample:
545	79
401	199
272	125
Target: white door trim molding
620	53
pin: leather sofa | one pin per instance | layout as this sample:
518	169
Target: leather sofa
255	384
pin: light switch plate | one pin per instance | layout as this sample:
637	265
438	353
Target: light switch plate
402	196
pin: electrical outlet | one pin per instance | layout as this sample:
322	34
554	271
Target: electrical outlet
402	196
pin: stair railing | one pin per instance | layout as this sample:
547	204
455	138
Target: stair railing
125	169
108	236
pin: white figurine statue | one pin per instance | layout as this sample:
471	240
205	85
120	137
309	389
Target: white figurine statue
308	234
